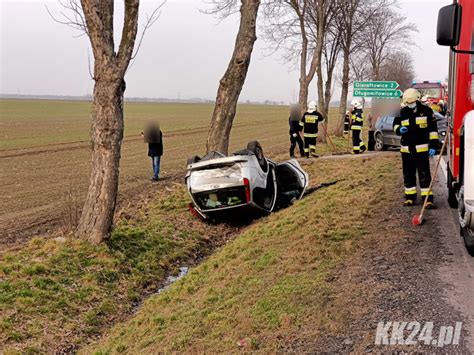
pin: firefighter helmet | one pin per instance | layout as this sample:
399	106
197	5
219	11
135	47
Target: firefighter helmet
312	106
356	103
410	96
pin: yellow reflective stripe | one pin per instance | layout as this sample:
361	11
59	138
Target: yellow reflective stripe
405	122
424	192
361	144
357	128
409	192
310	135
422	148
434	135
312	146
422	120
301	123
396	127
356	147
404	149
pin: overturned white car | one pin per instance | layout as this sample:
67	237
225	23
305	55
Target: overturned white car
242	185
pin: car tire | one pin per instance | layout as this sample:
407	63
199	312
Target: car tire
452	199
193	159
256	149
379	145
468	237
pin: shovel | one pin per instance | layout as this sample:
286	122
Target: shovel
418	218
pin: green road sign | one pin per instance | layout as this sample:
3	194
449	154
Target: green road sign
378	94
378	85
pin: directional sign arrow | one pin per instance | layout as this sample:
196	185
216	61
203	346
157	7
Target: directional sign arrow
378	94
379	85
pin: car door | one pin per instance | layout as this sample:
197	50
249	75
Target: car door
292	181
392	138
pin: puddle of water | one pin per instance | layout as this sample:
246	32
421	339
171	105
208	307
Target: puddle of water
172	279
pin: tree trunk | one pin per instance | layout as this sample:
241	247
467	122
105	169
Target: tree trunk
107	113
327	92
233	80
106	139
303	95
344	93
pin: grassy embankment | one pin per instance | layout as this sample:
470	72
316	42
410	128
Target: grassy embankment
267	285
271	288
55	294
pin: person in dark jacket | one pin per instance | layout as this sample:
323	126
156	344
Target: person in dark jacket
419	140
154	137
295	130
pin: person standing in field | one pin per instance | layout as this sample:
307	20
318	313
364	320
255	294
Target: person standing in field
154	137
309	123
295	130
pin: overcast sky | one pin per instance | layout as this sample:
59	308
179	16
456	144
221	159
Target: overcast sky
183	55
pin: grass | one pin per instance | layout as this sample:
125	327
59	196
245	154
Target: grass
270	289
73	289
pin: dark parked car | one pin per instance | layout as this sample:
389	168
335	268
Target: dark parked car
386	138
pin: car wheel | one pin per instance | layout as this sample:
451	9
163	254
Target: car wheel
452	199
379	146
193	160
256	149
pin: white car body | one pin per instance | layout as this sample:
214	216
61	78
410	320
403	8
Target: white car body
222	185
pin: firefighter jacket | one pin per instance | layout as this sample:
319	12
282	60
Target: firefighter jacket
357	119
309	122
422	133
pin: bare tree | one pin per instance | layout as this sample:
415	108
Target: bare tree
399	67
353	22
330	38
388	32
95	18
287	27
233	80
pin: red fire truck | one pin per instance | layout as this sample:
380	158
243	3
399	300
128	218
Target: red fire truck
435	90
456	30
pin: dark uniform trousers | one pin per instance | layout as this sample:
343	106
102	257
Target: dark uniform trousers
293	142
413	163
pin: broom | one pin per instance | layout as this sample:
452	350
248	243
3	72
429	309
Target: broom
418	218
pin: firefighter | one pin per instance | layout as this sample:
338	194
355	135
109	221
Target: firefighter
309	122
295	130
419	139
358	145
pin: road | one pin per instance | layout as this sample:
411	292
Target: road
457	270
